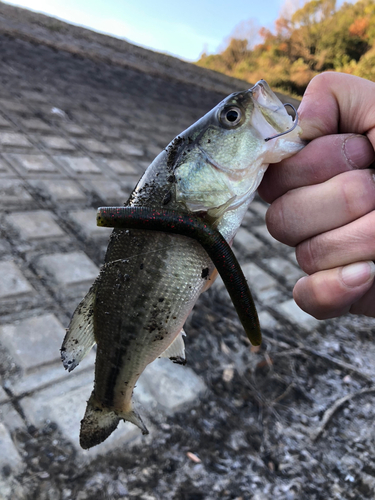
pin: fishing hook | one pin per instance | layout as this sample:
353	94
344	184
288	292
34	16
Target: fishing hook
295	123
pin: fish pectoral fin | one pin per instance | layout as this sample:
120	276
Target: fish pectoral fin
176	351
215	214
79	338
99	423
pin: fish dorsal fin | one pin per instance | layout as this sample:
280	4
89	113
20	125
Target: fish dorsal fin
176	351
79	338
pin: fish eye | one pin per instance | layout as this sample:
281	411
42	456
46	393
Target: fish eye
231	116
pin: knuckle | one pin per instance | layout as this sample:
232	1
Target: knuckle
357	193
308	255
279	220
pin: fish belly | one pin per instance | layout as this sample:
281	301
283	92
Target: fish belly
148	286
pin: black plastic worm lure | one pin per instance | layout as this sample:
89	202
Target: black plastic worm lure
212	241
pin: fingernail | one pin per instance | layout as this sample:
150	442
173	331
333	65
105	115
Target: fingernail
358	274
358	151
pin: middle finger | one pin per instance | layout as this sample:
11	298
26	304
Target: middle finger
308	211
354	242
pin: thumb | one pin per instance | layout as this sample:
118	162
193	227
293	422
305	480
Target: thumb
338	103
332	292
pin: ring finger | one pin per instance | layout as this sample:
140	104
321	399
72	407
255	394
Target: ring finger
354	242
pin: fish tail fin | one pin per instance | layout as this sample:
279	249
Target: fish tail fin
99	423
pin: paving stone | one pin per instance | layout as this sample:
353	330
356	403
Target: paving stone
68	269
3	167
172	385
264	285
36	124
247	242
37	225
284	269
129	149
63	190
143	165
248	220
47	375
85	117
12	193
262	231
73	128
122	167
129	186
11	105
4	122
109	132
267	321
34	96
4	247
153	150
26	163
113	120
95	146
80	165
10	418
12	281
56	142
109	191
3	397
9	456
34	341
259	208
86	220
14	139
294	314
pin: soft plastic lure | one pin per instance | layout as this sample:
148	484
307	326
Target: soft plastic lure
211	240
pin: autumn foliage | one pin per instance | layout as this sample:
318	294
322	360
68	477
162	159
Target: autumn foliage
317	37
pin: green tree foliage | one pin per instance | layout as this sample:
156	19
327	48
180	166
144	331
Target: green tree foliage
317	37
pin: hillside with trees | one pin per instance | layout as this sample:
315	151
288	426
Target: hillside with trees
317	37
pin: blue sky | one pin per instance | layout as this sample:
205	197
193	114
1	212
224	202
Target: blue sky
176	27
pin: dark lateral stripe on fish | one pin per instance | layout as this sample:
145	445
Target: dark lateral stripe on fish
211	240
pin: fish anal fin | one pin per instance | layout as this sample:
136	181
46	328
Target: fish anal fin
176	350
79	338
134	417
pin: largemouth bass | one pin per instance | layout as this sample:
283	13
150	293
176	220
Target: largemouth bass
136	308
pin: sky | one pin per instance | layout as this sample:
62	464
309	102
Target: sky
180	28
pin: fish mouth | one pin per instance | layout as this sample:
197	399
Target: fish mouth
264	96
271	108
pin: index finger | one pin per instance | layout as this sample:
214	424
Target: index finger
338	103
322	159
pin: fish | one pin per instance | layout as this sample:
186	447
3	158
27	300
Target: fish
136	308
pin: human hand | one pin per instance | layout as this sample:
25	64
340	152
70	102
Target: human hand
323	198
